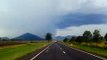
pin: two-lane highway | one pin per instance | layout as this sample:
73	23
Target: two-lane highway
58	51
54	52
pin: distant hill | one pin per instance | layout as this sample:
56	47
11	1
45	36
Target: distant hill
63	37
59	38
28	36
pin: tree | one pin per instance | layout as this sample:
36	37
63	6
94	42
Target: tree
87	36
65	40
96	36
48	37
72	39
105	36
79	39
101	38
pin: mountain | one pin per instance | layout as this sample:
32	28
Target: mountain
59	38
28	36
69	37
63	37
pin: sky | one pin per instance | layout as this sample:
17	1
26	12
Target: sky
59	17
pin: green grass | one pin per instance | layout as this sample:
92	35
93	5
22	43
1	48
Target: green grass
99	51
17	51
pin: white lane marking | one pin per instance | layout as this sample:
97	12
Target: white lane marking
64	52
60	48
89	53
40	53
47	50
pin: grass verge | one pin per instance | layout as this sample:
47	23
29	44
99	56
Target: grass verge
99	51
17	51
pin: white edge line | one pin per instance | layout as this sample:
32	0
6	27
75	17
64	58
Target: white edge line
89	54
39	53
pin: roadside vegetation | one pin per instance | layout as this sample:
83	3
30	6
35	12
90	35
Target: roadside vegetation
94	50
91	42
9	43
13	52
11	49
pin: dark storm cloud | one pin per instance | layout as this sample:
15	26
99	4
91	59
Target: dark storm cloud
78	19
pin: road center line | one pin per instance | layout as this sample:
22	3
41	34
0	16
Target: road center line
61	50
59	47
64	52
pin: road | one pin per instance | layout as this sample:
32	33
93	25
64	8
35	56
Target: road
57	51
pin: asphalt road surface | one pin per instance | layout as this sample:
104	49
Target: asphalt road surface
57	51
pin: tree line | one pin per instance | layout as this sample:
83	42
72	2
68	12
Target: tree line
87	37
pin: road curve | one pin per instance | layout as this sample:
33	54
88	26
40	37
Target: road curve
57	51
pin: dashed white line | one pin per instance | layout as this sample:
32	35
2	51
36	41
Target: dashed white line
64	52
60	48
